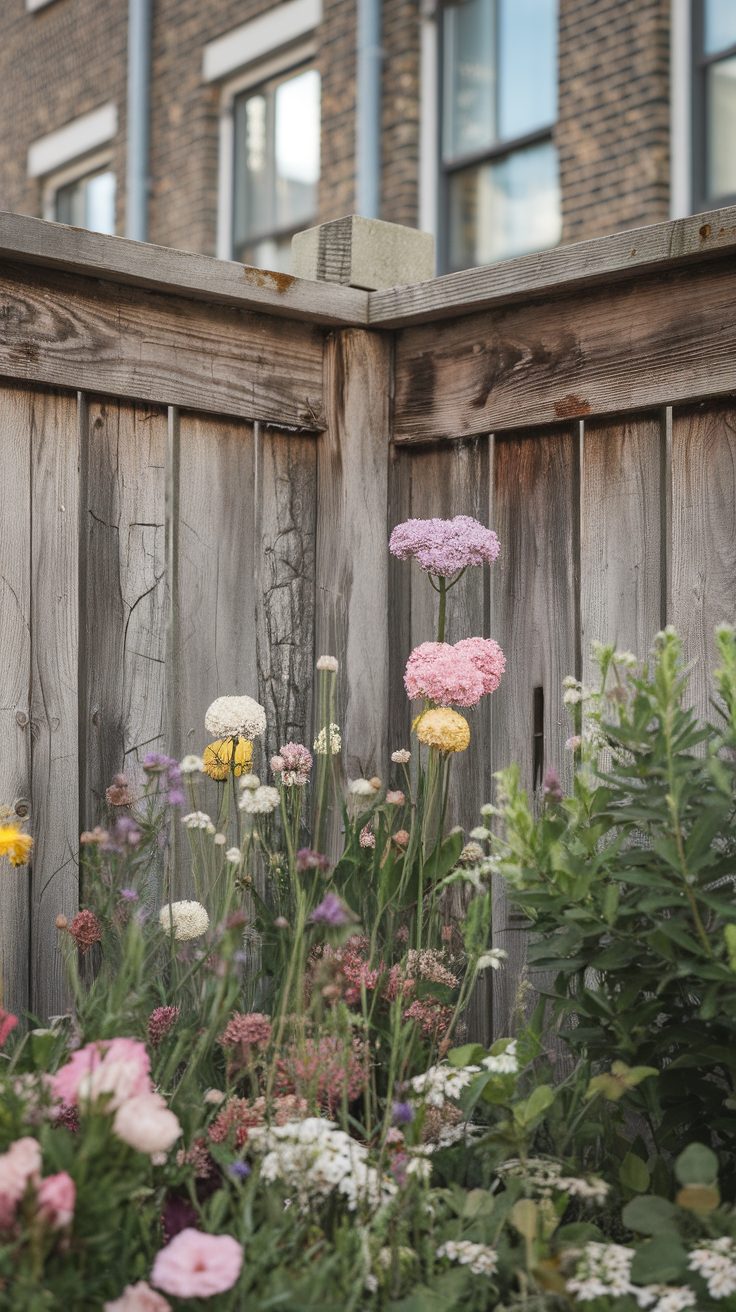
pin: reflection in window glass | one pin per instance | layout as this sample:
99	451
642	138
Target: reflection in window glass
88	202
720	25
469	63
505	207
527	61
277	146
721	178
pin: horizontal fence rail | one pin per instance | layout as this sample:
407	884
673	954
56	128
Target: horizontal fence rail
202	467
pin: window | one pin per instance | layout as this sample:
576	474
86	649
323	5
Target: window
499	172
87	201
276	128
714	102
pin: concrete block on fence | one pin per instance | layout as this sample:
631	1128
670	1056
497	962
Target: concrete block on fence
366	253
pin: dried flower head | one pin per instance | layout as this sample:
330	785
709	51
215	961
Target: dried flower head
401	837
86	930
96	837
259	801
395	797
217	761
444	546
362	788
444	729
328	741
191	764
118	793
367	837
293	763
401	757
187	920
235	717
198	820
160	1022
327	663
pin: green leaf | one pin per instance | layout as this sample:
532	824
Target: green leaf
729	934
697	1165
649	1215
469	1055
616	1082
659	1261
634	1174
610	903
535	1105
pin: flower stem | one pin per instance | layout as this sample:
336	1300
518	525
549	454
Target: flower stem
443	607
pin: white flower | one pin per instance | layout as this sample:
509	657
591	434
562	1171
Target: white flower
250	781
626	658
214	1096
235	717
487	810
442	1082
504	1063
316	1159
188	919
198	820
233	855
259	801
361	788
191	765
481	1259
335	739
480	834
220	840
491	960
401	757
571	696
327	663
715	1261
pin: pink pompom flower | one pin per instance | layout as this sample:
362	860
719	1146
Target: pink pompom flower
196	1265
139	1298
8	1023
20	1165
445	546
146	1123
115	1067
293	763
57	1196
488	659
437	672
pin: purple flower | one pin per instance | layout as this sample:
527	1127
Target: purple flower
129	895
175	797
308	859
444	546
240	1170
126	832
331	911
403	1113
158	763
551	786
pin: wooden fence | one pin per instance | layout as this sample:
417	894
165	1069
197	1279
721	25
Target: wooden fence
202	464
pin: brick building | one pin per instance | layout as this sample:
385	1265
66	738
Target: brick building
503	125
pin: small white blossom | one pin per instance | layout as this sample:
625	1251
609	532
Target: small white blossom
480	834
715	1261
481	1259
198	820
250	781
327	663
316	1159
335	741
439	1083
220	840
401	757
503	1064
571	696
361	788
191	765
259	801
233	855
235	717
188	919
491	960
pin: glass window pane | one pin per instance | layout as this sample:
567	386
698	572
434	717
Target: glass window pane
527	63
271	253
721	180
505	208
296	169
254	202
720	25
88	202
468	78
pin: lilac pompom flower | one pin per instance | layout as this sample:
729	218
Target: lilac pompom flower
331	911
445	546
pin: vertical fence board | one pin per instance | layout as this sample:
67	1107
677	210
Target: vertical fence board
286	497
16	417
703	545
621	558
400	575
534	617
125	607
54	687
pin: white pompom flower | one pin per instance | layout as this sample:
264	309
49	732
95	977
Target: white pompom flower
188	920
259	801
235	717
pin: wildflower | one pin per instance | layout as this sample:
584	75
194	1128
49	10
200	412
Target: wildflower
315	1160
331	911
402	1113
432	1017
551	786
94	837
361	788
488	659
138	1298
115	1068
233	1122
491	960
20	1165
573	742
367	837
198	820
235	717
250	781
327	663
146	1124
715	1261
480	834
129	895
86	930
118	793
439	1083
307	859
441	674
191	764
401	757
395	797
124	834
401	837
188	920
504	1063
214	1096
218	757
197	1265
444	546
239	1170
56	1197
328	734
8	1023
444	729
259	801
234	856
160	1022
571	696
246	1030
15	845
482	1260
293	763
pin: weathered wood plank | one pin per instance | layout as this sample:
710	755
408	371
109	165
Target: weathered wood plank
286	498
703	544
125	606
621	554
400	578
534	617
139	264
54	531
95	336
16	418
628	254
352	551
638	346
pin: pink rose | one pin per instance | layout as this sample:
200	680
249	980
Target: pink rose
119	1067
139	1298
195	1265
57	1195
8	1023
21	1163
147	1124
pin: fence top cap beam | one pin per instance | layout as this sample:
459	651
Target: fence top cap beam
28	240
629	254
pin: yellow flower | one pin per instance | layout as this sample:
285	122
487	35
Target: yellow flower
218	755
443	728
16	846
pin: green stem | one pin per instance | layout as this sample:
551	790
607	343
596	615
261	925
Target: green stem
443	608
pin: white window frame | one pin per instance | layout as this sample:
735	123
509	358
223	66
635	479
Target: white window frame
33	5
681	94
73	142
429	112
73	173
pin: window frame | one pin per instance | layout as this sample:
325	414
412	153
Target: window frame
492	154
700	63
83	167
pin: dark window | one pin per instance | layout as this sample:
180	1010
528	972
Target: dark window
88	202
498	162
714	103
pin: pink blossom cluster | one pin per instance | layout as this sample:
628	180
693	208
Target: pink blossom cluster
432	1017
293	763
114	1075
245	1035
324	1070
20	1171
444	546
351	969
458	675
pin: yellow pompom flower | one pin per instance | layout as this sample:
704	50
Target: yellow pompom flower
218	755
443	728
15	845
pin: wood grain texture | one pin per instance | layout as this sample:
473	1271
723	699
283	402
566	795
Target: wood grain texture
126	605
400	576
703	537
635	346
621	554
352	551
16	419
285	553
54	529
134	263
534	617
95	336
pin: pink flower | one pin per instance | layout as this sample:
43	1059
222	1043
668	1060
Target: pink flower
488	659
57	1195
395	797
439	673
367	837
195	1265
19	1165
8	1023
146	1123
444	546
139	1298
119	1067
160	1021
293	763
